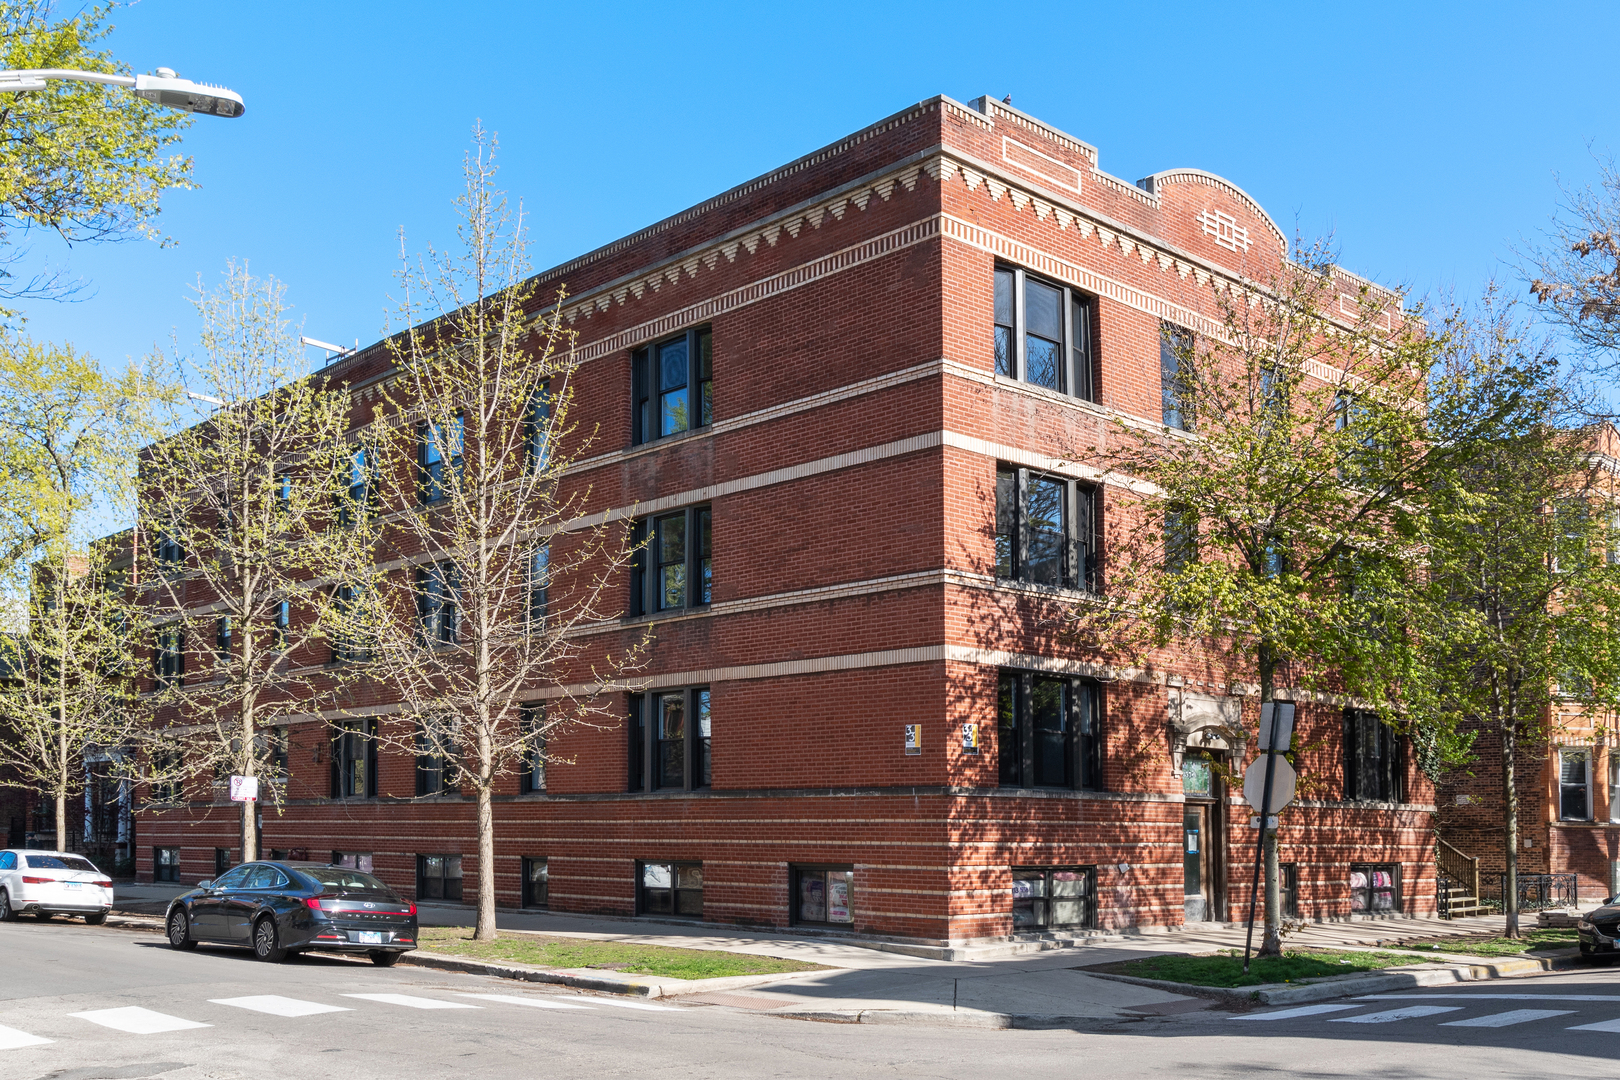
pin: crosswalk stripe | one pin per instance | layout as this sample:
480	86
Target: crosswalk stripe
276	1005
413	1002
1289	1014
1489	997
137	1021
1392	1015
618	1004
1602	1025
12	1039
1507	1019
532	1002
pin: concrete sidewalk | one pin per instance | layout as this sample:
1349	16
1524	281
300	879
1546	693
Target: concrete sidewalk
975	985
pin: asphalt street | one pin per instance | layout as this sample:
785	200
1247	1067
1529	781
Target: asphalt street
86	1003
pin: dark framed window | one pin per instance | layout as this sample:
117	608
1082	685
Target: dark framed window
222	637
670	888
283	494
169	659
283	623
353	860
536	883
1288	890
673	568
532	777
436	604
358	500
1175	376
672	386
166	864
350	640
271	745
1180	538
169	552
1047	897
438	877
354	760
539	584
222	860
1049	731
537	430
1045	529
1375	887
166	763
670	740
1043	333
438	458
1373	761
823	895
434	752
1197	776
1574	784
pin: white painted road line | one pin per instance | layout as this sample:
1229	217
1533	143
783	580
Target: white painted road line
1490	997
617	1004
532	1002
1303	1010
276	1005
413	1002
1508	1019
1392	1015
1605	1025
137	1021
12	1039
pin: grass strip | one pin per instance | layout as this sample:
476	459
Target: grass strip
620	956
1487	945
1225	968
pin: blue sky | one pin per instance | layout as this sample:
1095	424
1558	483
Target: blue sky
1428	137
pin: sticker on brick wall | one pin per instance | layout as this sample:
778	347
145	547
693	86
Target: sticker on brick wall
913	738
970	738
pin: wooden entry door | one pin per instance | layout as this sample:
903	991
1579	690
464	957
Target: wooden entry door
1198	839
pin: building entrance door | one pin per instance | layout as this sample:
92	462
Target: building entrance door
1198	838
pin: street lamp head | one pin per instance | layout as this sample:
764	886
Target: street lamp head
167	89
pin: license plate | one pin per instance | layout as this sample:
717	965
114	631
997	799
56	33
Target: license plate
370	937
74	884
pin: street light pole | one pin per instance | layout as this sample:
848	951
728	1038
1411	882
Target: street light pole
164	88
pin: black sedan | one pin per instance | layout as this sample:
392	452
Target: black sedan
1599	931
279	908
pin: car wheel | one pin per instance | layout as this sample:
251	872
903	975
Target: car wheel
384	959
95	918
180	932
265	944
7	912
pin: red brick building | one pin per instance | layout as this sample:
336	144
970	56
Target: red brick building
887	336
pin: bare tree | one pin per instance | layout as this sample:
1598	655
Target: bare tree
496	569
1576	276
242	533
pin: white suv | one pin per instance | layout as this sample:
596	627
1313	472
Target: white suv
46	883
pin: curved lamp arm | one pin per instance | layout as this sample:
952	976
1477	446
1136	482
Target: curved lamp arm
165	88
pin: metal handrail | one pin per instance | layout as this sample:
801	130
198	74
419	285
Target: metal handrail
1461	868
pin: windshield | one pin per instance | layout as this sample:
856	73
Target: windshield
59	862
338	877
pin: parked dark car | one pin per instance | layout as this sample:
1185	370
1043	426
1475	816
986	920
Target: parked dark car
278	908
1599	931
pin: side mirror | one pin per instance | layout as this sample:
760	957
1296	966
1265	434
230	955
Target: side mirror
206	883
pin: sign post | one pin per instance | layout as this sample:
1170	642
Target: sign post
1276	731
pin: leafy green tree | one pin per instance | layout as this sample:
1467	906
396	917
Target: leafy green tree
1271	522
247	518
84	161
1520	610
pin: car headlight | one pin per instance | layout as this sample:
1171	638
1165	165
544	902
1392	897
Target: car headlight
1584	925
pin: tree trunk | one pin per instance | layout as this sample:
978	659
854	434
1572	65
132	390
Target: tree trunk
1510	831
61	785
1271	942
486	865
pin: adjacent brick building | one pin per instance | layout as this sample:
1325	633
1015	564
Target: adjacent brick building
884	734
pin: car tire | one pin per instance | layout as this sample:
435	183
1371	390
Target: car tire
180	932
267	942
7	912
95	918
384	959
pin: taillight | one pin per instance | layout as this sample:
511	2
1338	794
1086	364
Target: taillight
318	903
412	909
105	883
38	880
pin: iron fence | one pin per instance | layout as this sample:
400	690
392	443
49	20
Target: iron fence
1538	892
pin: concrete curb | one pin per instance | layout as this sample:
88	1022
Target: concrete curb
589	979
962	1018
1335	986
